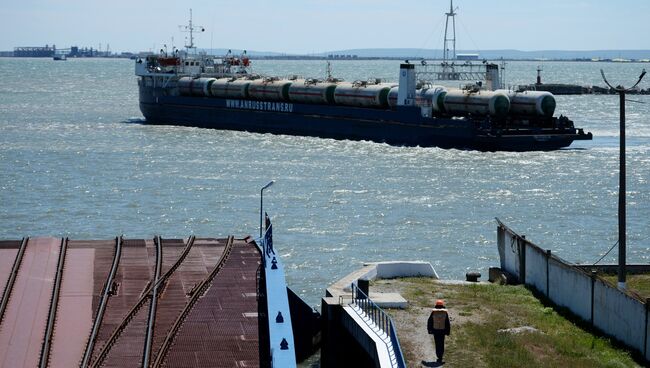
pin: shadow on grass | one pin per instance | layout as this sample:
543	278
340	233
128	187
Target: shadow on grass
587	326
432	364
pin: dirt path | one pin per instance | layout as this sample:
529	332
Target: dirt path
411	324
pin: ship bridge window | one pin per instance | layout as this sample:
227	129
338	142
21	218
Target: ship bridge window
187	63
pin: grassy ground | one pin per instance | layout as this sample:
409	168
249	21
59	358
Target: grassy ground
639	284
478	312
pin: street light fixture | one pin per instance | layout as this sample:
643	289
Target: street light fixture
262	202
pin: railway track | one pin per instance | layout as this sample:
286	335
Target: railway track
106	293
151	320
159	285
54	302
197	292
12	278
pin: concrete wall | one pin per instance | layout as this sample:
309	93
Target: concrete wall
647	340
360	333
536	269
509	251
338	347
391	270
619	315
569	288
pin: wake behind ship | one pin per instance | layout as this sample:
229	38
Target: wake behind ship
222	93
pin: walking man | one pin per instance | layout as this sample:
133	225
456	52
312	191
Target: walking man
438	325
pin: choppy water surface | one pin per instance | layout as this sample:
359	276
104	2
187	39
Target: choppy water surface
76	161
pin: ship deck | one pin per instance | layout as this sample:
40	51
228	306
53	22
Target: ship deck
129	302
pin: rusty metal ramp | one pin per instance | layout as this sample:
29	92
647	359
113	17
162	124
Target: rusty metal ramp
129	303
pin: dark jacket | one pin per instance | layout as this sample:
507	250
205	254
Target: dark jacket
430	323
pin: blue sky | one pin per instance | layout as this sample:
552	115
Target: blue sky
309	26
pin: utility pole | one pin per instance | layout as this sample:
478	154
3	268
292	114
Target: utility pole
621	181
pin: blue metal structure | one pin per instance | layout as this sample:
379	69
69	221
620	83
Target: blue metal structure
282	347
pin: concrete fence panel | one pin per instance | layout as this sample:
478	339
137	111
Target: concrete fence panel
569	288
647	339
536	268
620	315
511	256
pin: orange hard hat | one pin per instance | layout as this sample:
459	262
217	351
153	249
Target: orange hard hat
440	303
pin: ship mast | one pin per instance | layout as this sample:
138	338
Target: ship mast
451	14
191	28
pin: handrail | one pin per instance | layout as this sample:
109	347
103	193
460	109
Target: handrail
381	319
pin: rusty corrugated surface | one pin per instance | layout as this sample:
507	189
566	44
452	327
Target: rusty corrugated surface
7	258
222	329
200	259
25	320
74	318
133	275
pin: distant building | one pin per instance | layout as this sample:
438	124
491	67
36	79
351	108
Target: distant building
466	56
29	51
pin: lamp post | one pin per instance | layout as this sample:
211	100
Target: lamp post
621	181
262	202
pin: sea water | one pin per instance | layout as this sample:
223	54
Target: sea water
76	160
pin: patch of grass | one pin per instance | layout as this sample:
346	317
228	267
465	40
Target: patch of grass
479	311
639	284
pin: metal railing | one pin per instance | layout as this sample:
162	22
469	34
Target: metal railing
381	320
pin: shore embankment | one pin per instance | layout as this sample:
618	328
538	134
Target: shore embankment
494	326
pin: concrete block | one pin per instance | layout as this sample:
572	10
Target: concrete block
389	300
390	270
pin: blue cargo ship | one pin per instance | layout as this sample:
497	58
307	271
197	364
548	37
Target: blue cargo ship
191	89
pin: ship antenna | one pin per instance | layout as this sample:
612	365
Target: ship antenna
191	28
452	15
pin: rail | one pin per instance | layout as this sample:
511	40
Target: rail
151	320
106	293
196	294
381	320
12	278
146	294
54	302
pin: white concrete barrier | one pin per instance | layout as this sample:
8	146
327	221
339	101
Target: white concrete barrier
619	315
537	269
569	288
616	313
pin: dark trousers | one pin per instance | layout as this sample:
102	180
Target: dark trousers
439	337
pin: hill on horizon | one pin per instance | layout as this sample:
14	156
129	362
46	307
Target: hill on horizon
416	53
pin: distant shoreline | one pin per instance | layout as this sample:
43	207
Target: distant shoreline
361	58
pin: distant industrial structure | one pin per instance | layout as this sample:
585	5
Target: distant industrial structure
48	51
51	51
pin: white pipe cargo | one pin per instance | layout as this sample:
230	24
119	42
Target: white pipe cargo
479	103
531	102
230	88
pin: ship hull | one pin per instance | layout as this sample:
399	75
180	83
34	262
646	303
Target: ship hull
403	126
